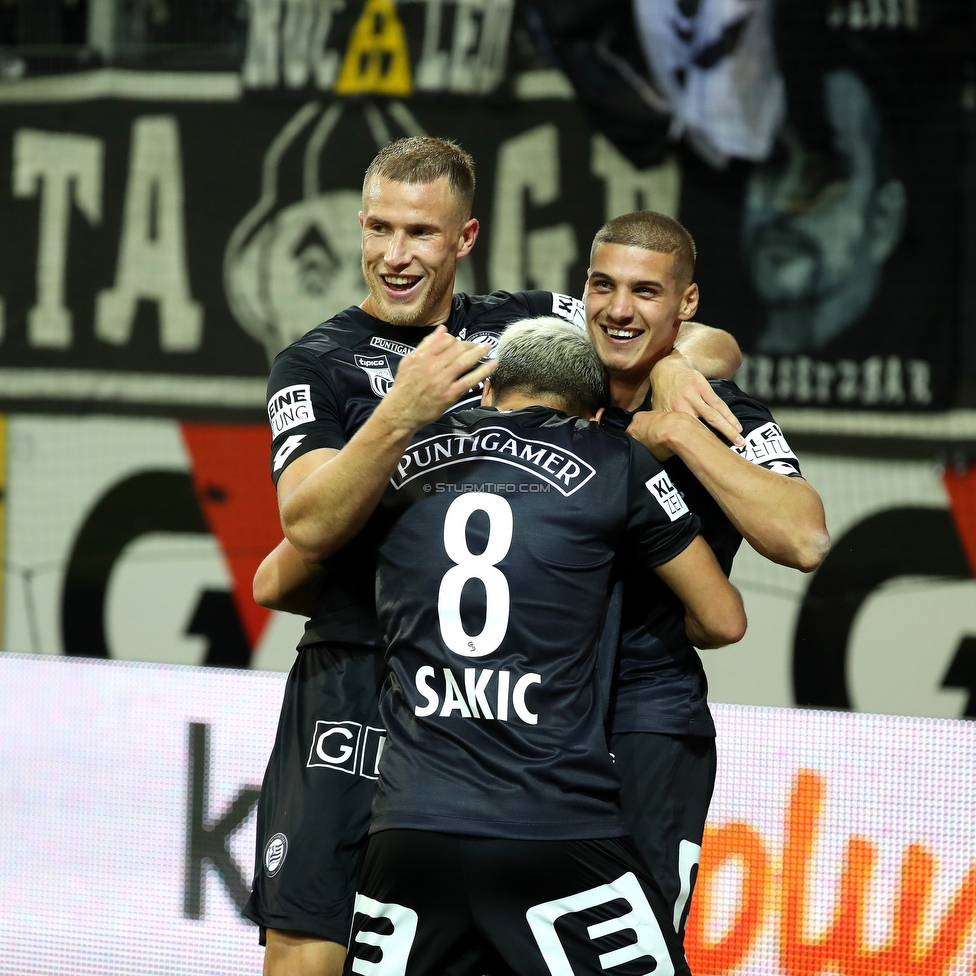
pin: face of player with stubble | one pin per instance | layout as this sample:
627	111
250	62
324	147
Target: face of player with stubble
634	307
413	236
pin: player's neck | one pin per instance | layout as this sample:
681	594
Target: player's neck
518	401
628	392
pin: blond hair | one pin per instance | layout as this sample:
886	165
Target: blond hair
424	159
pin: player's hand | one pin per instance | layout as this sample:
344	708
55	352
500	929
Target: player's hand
433	377
679	388
655	430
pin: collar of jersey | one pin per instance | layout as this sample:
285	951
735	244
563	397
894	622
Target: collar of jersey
527	418
618	417
409	335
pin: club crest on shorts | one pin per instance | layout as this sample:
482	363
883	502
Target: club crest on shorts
377	368
274	854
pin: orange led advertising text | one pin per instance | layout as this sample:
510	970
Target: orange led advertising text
843	949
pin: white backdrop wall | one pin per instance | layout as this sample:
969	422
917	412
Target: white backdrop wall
127	830
906	633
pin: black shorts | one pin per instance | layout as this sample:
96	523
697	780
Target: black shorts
313	814
666	786
432	904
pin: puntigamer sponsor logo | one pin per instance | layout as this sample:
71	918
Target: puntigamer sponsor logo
390	346
565	471
290	407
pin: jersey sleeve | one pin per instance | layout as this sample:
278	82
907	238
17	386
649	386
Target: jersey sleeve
303	409
553	303
659	524
765	443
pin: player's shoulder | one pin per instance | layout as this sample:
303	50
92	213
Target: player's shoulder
765	443
609	449
344	330
745	407
501	308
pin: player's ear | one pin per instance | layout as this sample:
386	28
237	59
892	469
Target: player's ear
469	234
487	395
689	303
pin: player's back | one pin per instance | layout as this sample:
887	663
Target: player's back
491	593
325	386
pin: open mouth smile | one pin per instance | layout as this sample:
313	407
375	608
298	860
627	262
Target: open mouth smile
400	286
616	334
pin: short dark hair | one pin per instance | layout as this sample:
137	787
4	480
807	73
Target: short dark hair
424	159
549	357
651	231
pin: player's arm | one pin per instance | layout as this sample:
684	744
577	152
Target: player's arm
679	381
714	615
326	496
664	535
713	352
781	517
284	581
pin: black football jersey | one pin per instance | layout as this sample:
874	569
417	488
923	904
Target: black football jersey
324	387
660	683
492	589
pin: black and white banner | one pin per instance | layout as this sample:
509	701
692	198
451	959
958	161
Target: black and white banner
165	234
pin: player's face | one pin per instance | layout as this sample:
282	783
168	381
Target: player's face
413	236
634	307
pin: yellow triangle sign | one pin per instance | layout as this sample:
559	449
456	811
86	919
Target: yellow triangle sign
376	60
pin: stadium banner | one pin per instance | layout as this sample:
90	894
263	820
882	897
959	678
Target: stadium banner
836	843
167	233
137	538
888	621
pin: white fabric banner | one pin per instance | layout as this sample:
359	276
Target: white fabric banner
714	61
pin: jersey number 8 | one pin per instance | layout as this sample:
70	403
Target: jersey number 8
482	566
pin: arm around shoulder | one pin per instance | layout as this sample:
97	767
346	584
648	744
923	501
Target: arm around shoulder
326	496
713	352
781	517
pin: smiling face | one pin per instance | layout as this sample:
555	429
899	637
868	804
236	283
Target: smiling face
634	306
413	236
